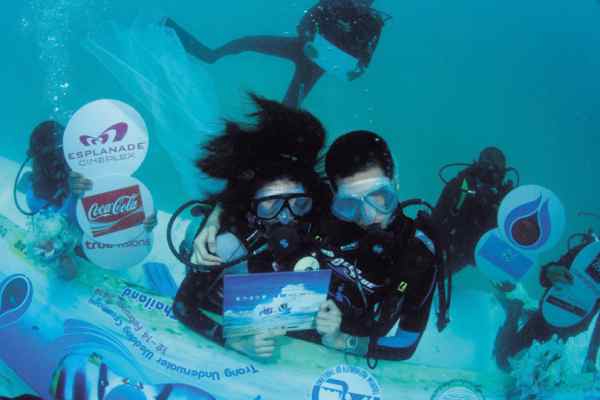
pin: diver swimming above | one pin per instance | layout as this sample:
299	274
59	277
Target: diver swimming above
348	30
468	205
271	199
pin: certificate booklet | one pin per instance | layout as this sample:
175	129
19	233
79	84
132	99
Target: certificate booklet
258	303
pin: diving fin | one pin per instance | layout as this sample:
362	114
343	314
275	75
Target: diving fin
160	279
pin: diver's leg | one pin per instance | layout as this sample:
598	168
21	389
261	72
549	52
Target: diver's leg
536	329
280	46
305	77
290	48
507	335
192	45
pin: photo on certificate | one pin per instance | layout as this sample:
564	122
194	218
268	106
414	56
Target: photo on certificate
256	303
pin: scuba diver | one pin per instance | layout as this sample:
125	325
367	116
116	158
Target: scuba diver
385	265
51	185
512	339
351	27
468	205
52	190
271	199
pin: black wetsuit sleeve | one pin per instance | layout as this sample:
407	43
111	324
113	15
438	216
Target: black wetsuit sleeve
190	302
445	209
403	331
405	340
564	261
448	200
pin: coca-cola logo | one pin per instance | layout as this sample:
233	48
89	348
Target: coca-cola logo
114	211
116	131
122	205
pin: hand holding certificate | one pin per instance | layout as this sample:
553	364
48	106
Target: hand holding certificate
269	303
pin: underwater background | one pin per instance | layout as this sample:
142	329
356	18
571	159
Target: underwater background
447	80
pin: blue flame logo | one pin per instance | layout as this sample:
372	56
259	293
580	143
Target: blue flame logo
16	293
528	226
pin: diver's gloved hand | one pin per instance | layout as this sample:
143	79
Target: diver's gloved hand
558	275
78	183
259	346
205	245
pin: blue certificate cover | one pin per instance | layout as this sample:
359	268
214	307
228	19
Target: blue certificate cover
257	303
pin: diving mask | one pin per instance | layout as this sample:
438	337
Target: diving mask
362	200
283	207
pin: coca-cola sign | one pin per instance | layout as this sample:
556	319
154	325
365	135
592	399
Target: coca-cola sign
115	210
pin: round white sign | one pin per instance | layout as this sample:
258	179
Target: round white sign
105	137
568	305
118	256
531	218
114	211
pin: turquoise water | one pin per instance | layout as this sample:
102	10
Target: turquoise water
448	79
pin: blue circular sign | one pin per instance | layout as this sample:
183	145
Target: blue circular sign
346	382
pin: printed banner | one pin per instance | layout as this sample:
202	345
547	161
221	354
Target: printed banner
99	336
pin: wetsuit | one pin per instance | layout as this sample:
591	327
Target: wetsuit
462	217
383	283
354	29
511	340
